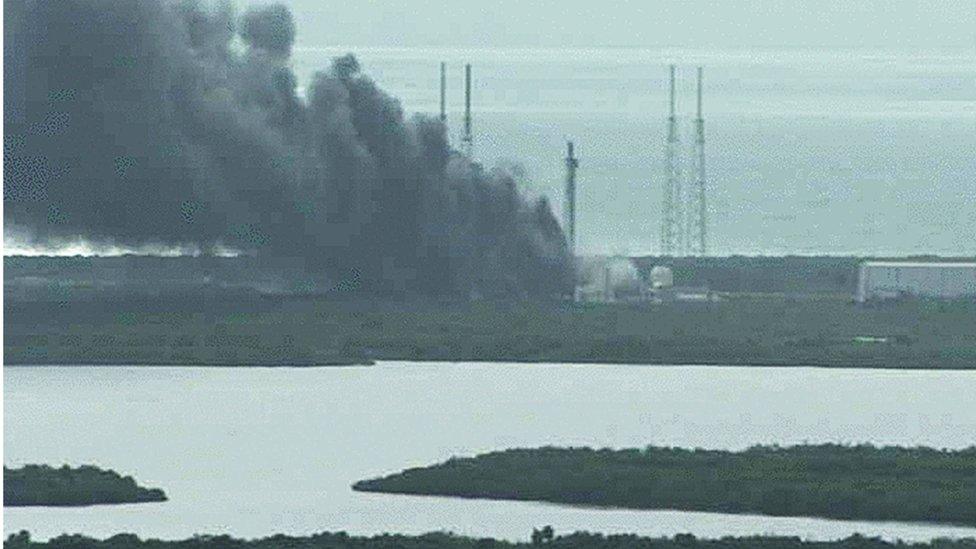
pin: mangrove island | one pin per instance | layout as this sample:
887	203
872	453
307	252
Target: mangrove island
829	481
43	485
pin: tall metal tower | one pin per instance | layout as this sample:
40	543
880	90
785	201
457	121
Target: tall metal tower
698	220
467	142
569	208
443	92
672	227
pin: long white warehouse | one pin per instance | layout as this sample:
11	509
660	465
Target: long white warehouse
886	280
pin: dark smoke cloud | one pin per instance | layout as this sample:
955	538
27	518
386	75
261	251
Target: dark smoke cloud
270	28
177	123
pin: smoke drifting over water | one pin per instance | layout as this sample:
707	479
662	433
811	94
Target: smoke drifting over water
137	123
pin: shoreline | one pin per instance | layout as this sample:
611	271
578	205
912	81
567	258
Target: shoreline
153	364
597	507
469	361
449	540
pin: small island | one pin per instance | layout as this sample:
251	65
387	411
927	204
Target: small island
828	481
43	485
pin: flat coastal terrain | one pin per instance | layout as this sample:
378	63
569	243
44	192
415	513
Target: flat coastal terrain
769	311
247	329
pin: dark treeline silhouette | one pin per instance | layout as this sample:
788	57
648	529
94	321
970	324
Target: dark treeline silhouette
579	540
180	123
43	485
833	481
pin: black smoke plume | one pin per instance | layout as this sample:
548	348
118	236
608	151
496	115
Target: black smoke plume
137	123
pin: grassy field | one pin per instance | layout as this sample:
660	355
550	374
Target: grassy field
249	329
42	485
840	482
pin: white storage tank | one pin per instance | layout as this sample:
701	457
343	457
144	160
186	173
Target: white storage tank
887	280
661	277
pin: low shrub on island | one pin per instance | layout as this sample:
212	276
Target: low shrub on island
831	481
43	485
577	540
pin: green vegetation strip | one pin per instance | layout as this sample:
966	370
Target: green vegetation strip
42	485
234	329
832	481
541	537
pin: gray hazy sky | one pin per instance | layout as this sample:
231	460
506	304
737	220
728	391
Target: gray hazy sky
706	23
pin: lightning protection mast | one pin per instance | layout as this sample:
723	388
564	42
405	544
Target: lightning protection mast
699	228
443	93
671	225
569	209
467	142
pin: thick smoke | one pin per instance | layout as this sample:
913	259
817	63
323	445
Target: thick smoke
177	123
271	29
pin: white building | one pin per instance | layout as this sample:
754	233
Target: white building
886	280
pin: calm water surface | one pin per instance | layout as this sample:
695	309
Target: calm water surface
810	151
253	451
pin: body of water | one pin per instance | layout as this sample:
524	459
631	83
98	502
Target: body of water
255	451
810	151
